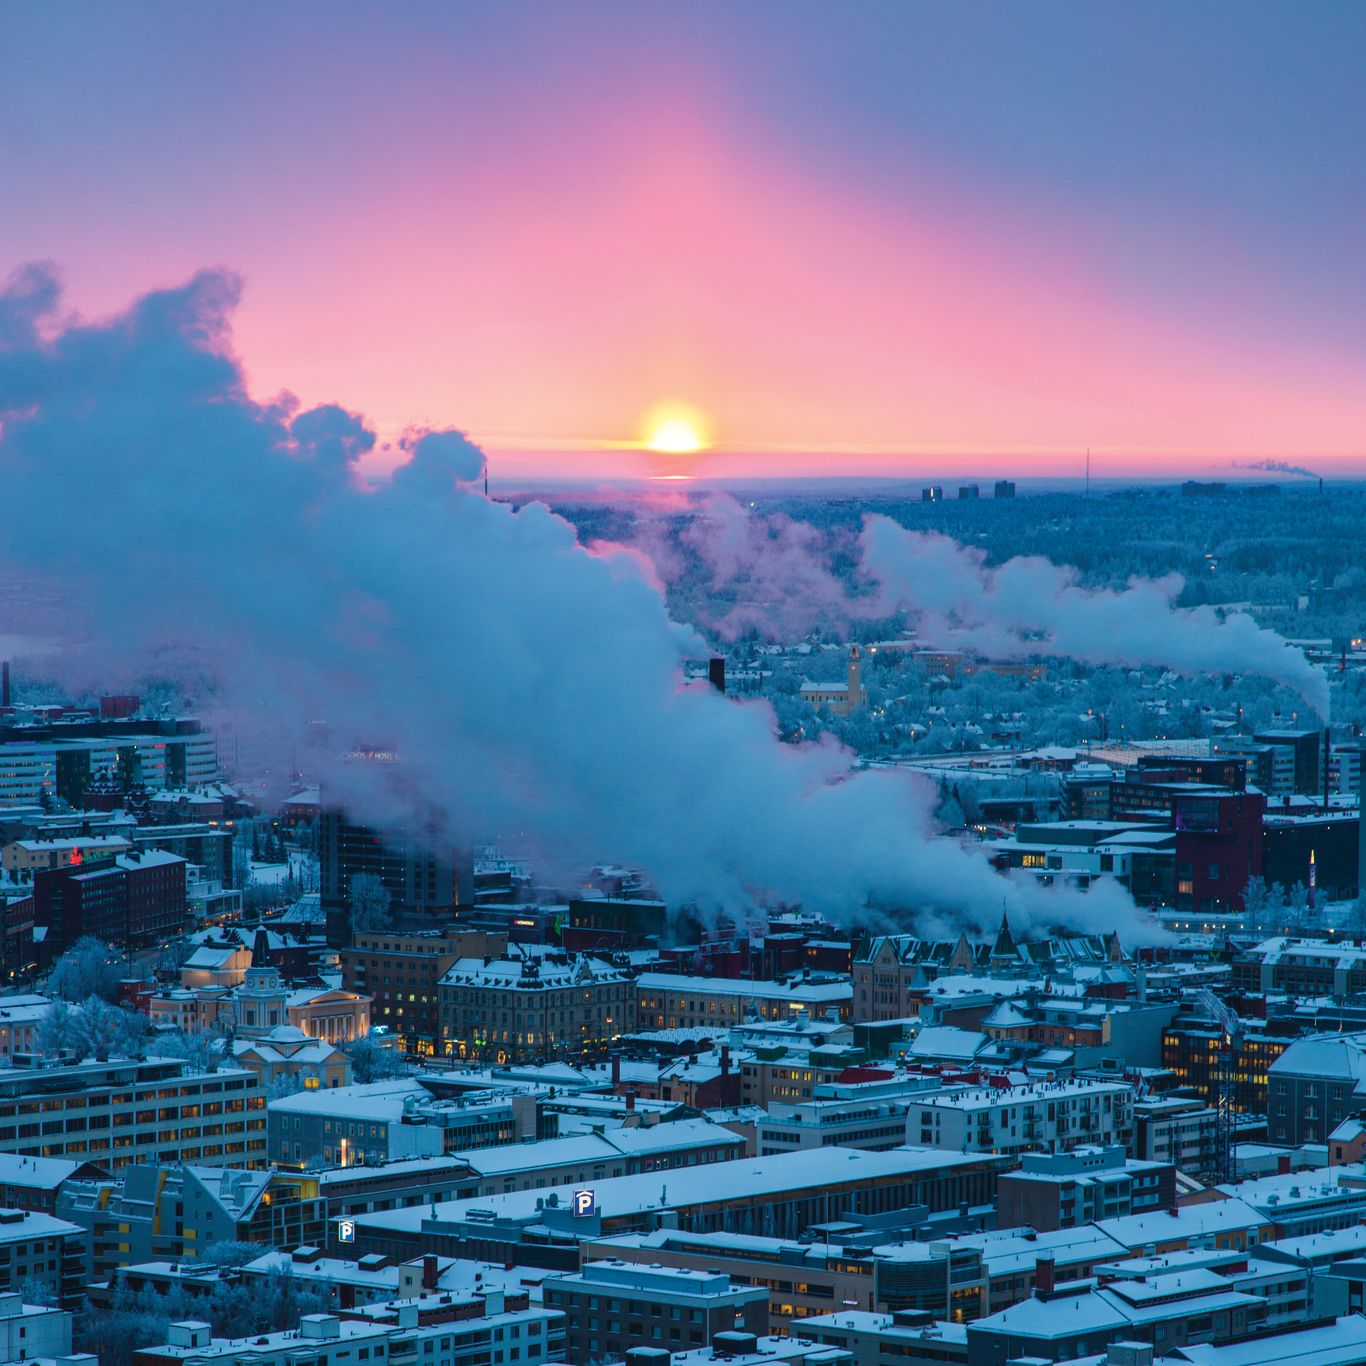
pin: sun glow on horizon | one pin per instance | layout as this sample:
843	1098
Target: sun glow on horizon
674	430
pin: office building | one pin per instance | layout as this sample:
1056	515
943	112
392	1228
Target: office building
400	973
123	1111
423	872
612	1306
1062	1190
534	1006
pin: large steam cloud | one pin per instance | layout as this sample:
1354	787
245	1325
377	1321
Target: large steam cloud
783	577
530	684
1030	606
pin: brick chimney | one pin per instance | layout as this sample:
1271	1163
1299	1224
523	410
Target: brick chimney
1045	1276
429	1272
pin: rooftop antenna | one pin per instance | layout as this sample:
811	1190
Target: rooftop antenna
1088	471
486	476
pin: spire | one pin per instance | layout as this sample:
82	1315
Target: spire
260	948
1004	948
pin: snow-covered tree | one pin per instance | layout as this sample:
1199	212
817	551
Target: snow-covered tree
88	968
372	1061
198	1047
370	903
1257	914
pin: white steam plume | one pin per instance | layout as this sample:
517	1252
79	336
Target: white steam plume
529	683
1030	606
782	571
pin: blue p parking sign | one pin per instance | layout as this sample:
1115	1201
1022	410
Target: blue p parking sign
346	1231
585	1204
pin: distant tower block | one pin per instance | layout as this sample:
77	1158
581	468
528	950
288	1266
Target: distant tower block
934	493
4	686
1005	488
716	672
969	491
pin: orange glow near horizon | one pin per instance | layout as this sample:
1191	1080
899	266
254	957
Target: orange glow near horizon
675	429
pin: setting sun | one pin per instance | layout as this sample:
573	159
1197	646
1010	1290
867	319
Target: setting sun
675	431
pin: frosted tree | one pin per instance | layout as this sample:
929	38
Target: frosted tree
88	968
1257	905
371	905
372	1061
1297	913
196	1046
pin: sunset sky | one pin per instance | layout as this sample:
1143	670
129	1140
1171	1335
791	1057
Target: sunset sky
822	239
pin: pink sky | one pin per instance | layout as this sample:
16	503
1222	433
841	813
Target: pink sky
543	263
818	330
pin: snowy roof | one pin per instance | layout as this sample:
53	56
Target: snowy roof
1327	1246
404	1166
988	1097
1302	1187
1340	1343
1006	1016
535	973
376	1100
1187	1221
626	1196
335	1270
40	1173
1007	1252
947	1041
802	992
1325	1055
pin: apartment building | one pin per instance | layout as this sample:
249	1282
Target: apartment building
163	1214
1313	1086
40	1249
123	1111
1038	1116
876	1123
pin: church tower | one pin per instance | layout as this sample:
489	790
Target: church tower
857	695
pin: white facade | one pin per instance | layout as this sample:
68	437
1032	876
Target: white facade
1042	1116
30	1331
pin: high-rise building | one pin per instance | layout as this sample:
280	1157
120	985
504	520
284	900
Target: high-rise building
426	875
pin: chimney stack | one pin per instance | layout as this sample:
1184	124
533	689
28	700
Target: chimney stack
429	1275
1045	1275
716	673
4	685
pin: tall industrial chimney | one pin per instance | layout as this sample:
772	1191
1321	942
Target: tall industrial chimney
716	672
4	684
